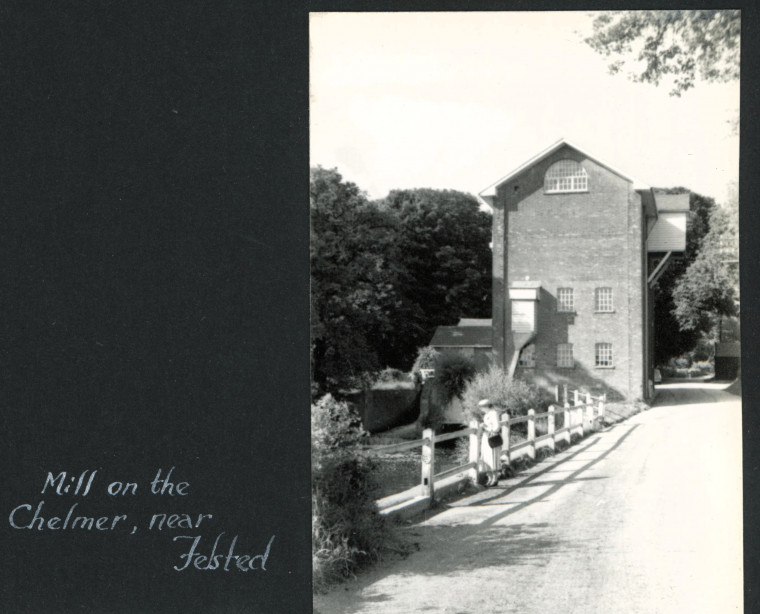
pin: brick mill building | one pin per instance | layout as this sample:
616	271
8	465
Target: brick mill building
577	245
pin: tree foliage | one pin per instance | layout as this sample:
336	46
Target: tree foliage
353	279
385	274
709	288
680	46
444	241
701	286
672	339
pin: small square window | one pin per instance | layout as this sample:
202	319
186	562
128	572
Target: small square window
603	300
603	355
527	357
565	300
565	356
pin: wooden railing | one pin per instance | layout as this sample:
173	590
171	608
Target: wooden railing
428	476
584	415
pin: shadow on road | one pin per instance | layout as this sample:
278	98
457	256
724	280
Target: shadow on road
452	545
557	484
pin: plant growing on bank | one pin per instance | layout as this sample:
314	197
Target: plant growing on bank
335	428
347	530
389	375
495	385
452	374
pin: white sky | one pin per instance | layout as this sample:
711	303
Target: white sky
458	100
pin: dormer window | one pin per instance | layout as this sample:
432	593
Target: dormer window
566	176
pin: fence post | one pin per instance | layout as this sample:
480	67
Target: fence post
601	409
532	432
564	394
474	450
580	411
550	426
428	463
556	393
576	397
505	436
566	423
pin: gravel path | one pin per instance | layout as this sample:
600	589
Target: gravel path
643	518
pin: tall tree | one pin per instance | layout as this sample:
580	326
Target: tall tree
678	45
353	280
444	243
709	288
671	339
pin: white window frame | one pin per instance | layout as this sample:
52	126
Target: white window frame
565	358
565	176
563	304
604	300
527	359
603	355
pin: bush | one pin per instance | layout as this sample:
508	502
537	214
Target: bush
334	425
390	374
516	396
702	367
452	374
347	530
682	362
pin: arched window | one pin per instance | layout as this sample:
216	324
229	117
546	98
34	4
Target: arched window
566	176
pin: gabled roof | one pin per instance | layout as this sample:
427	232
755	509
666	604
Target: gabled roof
490	191
462	336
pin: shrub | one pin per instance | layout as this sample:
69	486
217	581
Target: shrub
334	425
682	362
390	374
703	367
347	530
452	374
516	396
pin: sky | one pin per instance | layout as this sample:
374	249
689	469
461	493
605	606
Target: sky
459	100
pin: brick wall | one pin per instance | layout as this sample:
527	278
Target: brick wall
583	241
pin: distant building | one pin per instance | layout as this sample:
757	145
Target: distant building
577	245
728	350
471	337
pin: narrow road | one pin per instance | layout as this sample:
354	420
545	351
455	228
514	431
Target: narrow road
645	517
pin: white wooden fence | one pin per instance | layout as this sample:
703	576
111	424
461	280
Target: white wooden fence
584	415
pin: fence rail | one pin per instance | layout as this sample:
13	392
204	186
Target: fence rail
577	419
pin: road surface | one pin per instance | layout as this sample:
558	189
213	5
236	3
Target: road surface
645	517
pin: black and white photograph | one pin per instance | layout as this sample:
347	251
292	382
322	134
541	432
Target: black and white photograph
525	340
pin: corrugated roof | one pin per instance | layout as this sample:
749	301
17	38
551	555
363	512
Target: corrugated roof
672	202
462	336
474	322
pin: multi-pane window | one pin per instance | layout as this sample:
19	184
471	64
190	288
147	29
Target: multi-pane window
565	300
566	176
565	356
603	299
527	357
603	355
